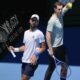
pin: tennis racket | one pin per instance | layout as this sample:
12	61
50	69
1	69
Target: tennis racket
3	39
64	2
59	64
3	35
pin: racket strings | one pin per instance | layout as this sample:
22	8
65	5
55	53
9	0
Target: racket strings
63	70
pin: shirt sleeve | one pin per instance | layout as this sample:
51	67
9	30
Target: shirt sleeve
50	25
41	38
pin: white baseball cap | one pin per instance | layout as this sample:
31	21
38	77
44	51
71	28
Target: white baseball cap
36	16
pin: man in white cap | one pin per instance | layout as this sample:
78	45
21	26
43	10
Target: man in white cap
34	45
35	16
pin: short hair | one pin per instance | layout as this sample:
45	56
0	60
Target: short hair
57	3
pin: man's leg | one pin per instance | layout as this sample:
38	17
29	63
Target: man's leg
28	70
63	56
63	73
24	77
50	69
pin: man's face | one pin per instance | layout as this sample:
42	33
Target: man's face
34	22
58	9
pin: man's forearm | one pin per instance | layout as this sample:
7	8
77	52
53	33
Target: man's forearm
67	7
42	47
48	38
19	49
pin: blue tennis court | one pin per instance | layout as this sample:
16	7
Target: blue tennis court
10	71
14	20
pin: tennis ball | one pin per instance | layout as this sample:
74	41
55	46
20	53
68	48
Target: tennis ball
69	5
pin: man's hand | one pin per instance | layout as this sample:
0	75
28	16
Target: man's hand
50	50
34	59
10	48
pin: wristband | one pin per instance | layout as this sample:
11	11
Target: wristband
37	52
16	49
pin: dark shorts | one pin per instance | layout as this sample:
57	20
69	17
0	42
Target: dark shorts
60	53
28	69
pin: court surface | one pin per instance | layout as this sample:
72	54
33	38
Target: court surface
11	71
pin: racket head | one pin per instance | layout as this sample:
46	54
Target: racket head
3	35
62	69
61	65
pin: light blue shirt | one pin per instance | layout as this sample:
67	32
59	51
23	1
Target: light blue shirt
55	26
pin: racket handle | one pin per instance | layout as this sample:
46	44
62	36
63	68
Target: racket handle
12	52
53	56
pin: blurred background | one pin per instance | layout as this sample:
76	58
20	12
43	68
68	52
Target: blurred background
14	17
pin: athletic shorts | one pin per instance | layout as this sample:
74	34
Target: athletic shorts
60	53
28	69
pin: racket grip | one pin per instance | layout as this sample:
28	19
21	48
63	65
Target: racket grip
53	56
12	52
